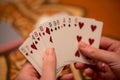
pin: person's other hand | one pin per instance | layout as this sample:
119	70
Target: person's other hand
108	57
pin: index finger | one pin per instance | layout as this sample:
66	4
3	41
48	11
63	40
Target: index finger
106	42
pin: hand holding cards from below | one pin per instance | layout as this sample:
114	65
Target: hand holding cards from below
28	72
48	71
108	66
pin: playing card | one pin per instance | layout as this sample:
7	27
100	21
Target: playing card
46	29
43	33
27	49
48	39
38	42
59	34
37	39
89	31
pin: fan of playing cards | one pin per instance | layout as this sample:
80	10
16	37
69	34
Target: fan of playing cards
63	34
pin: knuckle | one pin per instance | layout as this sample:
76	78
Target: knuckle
92	52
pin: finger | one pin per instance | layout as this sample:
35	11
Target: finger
66	77
106	42
98	54
80	66
28	68
49	65
110	44
27	72
89	72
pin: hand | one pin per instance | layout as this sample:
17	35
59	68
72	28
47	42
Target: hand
108	54
48	72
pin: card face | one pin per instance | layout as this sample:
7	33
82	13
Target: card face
48	38
45	36
75	37
38	42
36	36
27	49
63	33
47	29
91	30
55	28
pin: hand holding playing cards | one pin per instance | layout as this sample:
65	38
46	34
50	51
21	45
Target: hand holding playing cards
48	71
108	66
61	33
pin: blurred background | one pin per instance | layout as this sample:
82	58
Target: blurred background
23	14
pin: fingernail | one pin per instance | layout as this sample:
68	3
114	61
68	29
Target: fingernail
82	44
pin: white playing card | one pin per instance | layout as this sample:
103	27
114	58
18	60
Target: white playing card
89	28
38	57
47	38
45	33
88	31
27	51
38	54
73	31
60	42
37	39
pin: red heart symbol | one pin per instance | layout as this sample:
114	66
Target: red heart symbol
33	46
79	38
93	27
47	30
51	39
81	24
77	53
91	41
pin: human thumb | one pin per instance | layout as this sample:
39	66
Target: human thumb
97	54
49	65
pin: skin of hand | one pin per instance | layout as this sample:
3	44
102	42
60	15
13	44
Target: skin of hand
109	54
48	72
